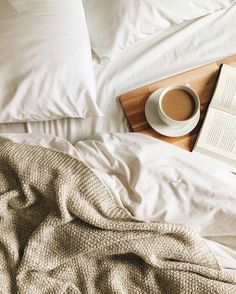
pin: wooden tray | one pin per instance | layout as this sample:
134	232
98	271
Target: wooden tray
202	80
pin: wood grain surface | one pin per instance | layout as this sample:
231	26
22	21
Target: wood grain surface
202	80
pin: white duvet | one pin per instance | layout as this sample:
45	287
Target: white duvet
156	181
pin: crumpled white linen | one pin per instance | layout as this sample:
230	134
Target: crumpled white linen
160	182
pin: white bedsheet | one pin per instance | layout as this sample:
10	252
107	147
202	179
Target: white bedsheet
178	49
155	181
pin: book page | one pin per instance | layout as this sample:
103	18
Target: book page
224	97
218	135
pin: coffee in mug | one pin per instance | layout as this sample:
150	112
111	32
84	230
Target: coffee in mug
178	104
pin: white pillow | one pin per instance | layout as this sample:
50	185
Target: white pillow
45	61
115	25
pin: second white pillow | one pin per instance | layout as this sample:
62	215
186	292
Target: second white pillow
115	25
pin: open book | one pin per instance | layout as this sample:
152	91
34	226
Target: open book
217	137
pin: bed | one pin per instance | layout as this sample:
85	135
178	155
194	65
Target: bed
111	152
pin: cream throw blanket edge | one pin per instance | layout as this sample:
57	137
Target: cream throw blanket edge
62	232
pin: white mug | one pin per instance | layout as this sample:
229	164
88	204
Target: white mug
169	121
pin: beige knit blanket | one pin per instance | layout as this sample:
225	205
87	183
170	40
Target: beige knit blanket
62	232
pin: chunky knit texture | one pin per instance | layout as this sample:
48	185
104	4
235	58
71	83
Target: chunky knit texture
62	232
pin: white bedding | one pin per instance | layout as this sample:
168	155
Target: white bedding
155	181
189	45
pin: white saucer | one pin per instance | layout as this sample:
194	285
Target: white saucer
158	125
